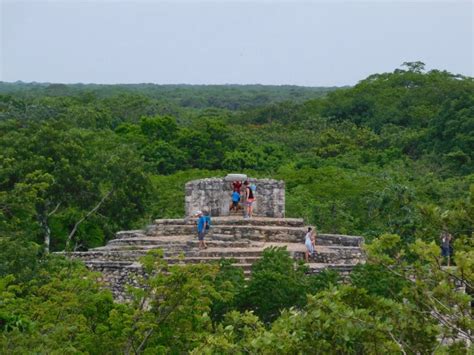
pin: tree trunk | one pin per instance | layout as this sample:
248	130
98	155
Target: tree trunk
46	233
44	221
88	214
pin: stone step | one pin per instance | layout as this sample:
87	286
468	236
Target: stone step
238	228
223	249
328	254
315	268
178	240
120	267
211	254
274	233
168	238
171	229
248	260
210	242
223	237
111	264
262	233
223	234
144	247
147	241
237	220
127	256
227	253
333	255
130	234
339	239
191	245
331	258
244	264
175	242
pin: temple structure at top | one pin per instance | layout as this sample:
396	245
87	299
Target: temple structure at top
215	194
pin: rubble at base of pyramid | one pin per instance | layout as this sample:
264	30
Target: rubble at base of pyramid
231	236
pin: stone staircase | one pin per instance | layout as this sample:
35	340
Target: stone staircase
230	237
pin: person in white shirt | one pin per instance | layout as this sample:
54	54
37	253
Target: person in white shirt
309	242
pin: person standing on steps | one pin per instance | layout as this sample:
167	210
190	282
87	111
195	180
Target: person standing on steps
235	201
249	199
201	229
309	242
236	186
446	249
207	215
243	200
236	192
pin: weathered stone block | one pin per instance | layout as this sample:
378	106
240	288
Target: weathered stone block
215	195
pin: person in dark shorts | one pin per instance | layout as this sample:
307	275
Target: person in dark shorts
446	249
207	215
201	229
235	201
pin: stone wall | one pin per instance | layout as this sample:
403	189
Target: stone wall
116	277
215	194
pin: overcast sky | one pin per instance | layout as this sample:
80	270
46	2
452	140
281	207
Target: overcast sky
302	43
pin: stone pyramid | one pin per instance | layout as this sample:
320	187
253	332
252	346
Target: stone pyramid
231	236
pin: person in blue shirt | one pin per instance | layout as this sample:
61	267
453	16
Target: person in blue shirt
201	228
208	221
235	201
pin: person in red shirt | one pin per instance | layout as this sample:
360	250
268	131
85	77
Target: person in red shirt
236	186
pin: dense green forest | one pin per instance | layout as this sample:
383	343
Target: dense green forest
174	97
391	159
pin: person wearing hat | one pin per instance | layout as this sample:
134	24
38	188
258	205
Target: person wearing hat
201	228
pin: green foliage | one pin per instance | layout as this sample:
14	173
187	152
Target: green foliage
171	310
275	285
62	309
237	334
378	281
168	99
164	128
340	320
56	174
397	144
429	286
18	258
230	283
278	283
390	159
417	100
344	320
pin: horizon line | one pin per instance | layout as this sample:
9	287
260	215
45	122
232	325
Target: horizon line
167	84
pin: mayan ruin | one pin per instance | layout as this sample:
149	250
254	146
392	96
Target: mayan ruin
230	237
